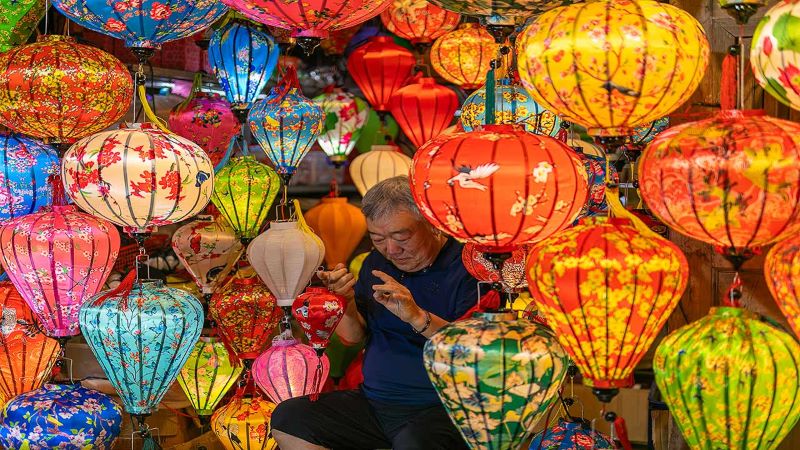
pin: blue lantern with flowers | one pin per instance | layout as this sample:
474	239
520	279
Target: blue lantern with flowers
25	166
513	106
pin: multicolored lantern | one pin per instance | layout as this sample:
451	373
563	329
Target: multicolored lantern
243	193
379	68
377	131
596	167
730	380
774	57
207	376
423	109
606	287
463	56
512	274
244	423
418	21
502	12
571	435
61	416
340	225
513	105
455	180
26	166
286	369
336	43
557	58
60	91
496	375
318	311
207	120
780	270
382	163
345	115
57	259
19	20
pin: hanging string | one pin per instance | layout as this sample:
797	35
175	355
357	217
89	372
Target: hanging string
317	380
148	112
144	430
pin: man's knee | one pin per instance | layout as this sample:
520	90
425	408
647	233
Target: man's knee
288	415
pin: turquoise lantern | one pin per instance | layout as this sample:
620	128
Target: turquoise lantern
25	167
512	105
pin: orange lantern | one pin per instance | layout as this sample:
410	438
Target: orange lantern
418	21
464	56
781	269
379	68
423	109
340	225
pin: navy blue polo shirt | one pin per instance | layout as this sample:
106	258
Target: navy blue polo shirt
393	367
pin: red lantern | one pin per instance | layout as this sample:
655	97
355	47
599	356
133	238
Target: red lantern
379	68
512	275
336	44
419	21
498	187
423	109
318	311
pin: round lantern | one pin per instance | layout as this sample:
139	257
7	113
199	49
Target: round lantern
207	376
379	68
512	274
773	55
655	57
730	381
138	177
60	91
512	105
243	59
731	181
496	375
61	416
207	120
781	268
244	423
286	369
340	225
345	115
26	166
456	180
206	248
419	21
26	355
377	131
423	109
606	289
58	258
246	316
243	193
381	163
463	56
20	18
336	43
571	435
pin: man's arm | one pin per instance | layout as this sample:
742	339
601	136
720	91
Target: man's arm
398	299
352	328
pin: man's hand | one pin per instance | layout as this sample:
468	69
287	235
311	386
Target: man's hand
398	299
339	281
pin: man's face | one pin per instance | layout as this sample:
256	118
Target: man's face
405	240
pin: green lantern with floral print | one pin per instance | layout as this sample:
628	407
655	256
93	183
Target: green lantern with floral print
18	21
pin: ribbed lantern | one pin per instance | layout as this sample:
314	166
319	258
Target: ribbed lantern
381	163
607	287
774	57
730	380
379	68
243	192
503	12
207	120
781	269
286	369
496	375
418	21
244	423
463	56
512	105
423	109
457	180
512	274
345	116
571	435
60	91
26	166
340	225
20	18
655	57
207	376
138	177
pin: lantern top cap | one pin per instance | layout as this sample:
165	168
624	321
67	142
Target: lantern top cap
209	339
283	224
467	25
246	281
384	148
334	200
603	219
56	38
317	290
502	315
283	341
731	311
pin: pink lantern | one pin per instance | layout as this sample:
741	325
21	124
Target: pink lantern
287	368
57	259
207	120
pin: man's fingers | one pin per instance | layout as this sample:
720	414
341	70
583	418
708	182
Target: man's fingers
383	276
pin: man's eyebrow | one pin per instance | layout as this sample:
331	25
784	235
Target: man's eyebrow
404	230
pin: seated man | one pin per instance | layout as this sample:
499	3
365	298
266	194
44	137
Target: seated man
409	287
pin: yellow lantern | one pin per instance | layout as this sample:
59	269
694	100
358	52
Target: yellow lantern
244	423
464	56
207	375
611	65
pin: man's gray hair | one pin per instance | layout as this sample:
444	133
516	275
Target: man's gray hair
388	195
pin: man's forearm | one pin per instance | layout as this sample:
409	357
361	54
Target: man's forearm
351	328
420	323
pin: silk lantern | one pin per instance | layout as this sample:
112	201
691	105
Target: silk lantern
59	91
656	55
512	105
345	115
207	120
730	181
340	225
58	258
138	177
26	165
244	423
381	163
496	375
418	21
61	416
455	180
774	55
571	435
379	68
246	316
730	381
512	274
336	43
26	354
377	131
423	109
607	286
501	11
286	369
21	17
463	56
243	193
780	270
207	376
207	248
596	167
286	124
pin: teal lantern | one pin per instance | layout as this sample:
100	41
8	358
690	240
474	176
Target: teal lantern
513	106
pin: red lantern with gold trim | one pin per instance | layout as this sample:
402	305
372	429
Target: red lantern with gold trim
418	21
423	109
380	67
512	275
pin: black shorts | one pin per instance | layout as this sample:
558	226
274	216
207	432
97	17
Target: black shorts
345	420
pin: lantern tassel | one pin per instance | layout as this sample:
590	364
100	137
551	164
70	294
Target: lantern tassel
287	82
123	290
621	431
316	384
727	85
148	112
232	356
59	196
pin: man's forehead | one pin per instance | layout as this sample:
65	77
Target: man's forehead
392	224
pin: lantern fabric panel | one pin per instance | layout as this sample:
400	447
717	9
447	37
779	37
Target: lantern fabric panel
25	168
206	120
345	115
21	17
418	21
379	68
774	56
781	268
207	375
423	109
512	106
569	435
340	225
60	91
286	369
381	163
206	247
318	311
505	10
463	56
512	274
244	423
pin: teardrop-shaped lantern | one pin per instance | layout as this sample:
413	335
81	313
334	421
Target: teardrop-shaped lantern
571	435
207	120
380	163
57	259
496	375
244	423
318	311
286	369
380	67
207	376
512	105
26	165
340	225
512	274
420	22
423	109
345	115
463	56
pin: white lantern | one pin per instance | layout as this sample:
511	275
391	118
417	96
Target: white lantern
380	163
207	248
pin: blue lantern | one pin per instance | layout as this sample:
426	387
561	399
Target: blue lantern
243	59
571	435
25	166
60	416
286	124
513	105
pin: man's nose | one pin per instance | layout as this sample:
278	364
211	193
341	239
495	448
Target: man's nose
392	248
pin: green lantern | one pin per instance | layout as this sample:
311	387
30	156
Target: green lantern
731	381
243	192
496	375
374	134
18	20
207	376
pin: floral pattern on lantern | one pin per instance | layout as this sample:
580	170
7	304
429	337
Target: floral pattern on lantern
25	167
656	54
286	369
569	435
207	375
58	90
207	120
596	170
345	115
513	105
781	269
19	20
502	11
381	163
423	109
318	311
245	423
379	68
774	56
418	20
340	225
512	275
463	56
